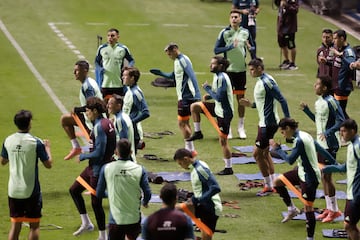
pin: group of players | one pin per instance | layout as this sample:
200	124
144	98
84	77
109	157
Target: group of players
107	123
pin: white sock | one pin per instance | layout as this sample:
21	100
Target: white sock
75	143
309	238
327	202
85	220
291	207
268	181
333	204
272	177
189	145
197	127
241	123
228	163
102	234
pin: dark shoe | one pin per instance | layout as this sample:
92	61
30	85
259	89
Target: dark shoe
140	145
285	64
226	171
292	66
195	136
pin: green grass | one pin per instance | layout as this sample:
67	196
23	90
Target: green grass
27	21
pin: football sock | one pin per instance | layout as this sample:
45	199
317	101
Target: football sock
75	143
189	145
197	127
227	162
241	123
310	224
85	220
268	181
333	204
102	234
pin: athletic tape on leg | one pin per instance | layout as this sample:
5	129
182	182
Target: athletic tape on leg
295	190
81	126
86	185
197	221
212	120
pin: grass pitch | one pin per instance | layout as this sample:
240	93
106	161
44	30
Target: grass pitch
146	27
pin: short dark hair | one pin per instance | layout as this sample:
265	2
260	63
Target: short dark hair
223	62
256	62
83	64
133	72
96	103
168	193
235	11
340	33
22	119
288	122
113	30
350	124
327	82
182	153
327	30
118	99
171	46
123	147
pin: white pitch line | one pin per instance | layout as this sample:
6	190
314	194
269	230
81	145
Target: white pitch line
175	25
32	68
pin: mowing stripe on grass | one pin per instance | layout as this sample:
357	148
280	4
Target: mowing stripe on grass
32	68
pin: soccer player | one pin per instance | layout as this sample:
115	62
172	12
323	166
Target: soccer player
348	131
342	74
249	10
325	54
328	118
205	202
89	88
266	93
122	122
109	61
168	222
307	173
187	89
22	151
125	182
222	108
103	139
135	104
286	30
233	41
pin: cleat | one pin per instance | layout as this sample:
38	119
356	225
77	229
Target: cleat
140	145
323	214
226	171
265	192
242	133
73	153
84	228
331	216
195	136
285	64
292	66
291	214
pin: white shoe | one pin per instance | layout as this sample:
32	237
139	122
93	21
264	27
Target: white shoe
291	214
84	228
242	133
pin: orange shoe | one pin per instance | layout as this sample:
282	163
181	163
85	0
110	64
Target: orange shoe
72	153
323	214
265	192
331	216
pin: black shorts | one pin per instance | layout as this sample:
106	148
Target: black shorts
238	81
223	123
132	231
26	208
264	135
321	159
352	212
207	216
287	40
308	190
184	112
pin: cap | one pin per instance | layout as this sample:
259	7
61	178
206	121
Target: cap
171	46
